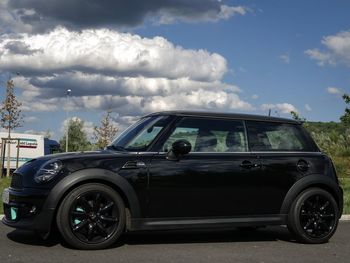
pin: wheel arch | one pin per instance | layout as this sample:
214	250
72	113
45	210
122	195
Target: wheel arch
314	180
102	176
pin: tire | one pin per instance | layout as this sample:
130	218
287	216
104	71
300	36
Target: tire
91	216
313	217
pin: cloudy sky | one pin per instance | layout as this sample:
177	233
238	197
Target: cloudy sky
135	57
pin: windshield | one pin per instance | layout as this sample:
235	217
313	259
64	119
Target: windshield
140	135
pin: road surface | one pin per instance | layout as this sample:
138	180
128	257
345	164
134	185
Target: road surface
272	244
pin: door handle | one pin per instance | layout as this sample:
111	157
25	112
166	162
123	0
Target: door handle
249	165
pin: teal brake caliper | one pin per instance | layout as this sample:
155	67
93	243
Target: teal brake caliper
13	213
77	221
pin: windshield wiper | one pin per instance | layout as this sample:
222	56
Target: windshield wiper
116	148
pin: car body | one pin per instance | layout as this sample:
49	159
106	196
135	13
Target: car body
182	170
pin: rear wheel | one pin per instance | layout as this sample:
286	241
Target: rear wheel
92	216
313	217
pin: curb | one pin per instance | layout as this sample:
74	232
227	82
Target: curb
343	217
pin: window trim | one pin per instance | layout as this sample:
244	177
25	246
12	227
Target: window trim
155	145
246	135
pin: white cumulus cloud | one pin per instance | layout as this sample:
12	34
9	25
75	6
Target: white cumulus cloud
106	69
337	50
334	90
108	51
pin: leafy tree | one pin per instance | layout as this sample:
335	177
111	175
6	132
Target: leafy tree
345	119
77	137
106	132
296	116
11	115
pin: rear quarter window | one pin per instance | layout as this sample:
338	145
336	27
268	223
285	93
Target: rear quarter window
266	136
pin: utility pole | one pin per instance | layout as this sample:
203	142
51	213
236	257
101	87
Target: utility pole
67	130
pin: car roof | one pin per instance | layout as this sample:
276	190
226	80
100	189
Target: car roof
214	114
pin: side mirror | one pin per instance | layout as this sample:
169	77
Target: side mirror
179	148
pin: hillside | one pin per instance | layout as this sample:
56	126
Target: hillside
334	139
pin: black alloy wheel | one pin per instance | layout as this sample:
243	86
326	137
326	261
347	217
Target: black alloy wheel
92	216
313	217
317	216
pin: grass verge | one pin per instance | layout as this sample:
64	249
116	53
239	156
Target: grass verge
345	183
4	182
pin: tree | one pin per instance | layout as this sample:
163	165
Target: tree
77	137
11	116
296	116
106	132
345	119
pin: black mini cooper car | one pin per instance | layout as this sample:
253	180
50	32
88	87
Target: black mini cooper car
181	170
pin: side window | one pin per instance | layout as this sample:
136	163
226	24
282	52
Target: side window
265	136
186	133
209	135
142	140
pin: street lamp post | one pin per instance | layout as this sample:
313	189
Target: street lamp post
67	129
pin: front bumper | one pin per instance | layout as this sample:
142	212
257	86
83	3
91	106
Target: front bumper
24	210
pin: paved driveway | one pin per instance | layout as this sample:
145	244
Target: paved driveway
272	244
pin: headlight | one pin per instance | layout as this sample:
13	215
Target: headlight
48	171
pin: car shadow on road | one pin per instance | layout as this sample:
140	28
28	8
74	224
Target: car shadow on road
200	236
30	238
275	233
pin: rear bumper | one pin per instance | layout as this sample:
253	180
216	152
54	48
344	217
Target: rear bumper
25	210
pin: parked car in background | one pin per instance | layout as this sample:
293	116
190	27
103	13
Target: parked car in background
182	170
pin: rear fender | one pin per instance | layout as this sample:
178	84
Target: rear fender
314	180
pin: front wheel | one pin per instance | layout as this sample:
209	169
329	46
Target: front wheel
313	217
92	216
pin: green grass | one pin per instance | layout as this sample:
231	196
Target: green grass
342	165
345	183
4	182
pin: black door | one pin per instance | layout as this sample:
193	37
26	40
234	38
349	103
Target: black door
217	178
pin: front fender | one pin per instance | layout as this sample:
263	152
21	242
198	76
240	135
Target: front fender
317	180
81	176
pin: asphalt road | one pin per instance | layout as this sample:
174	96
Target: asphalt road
272	244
